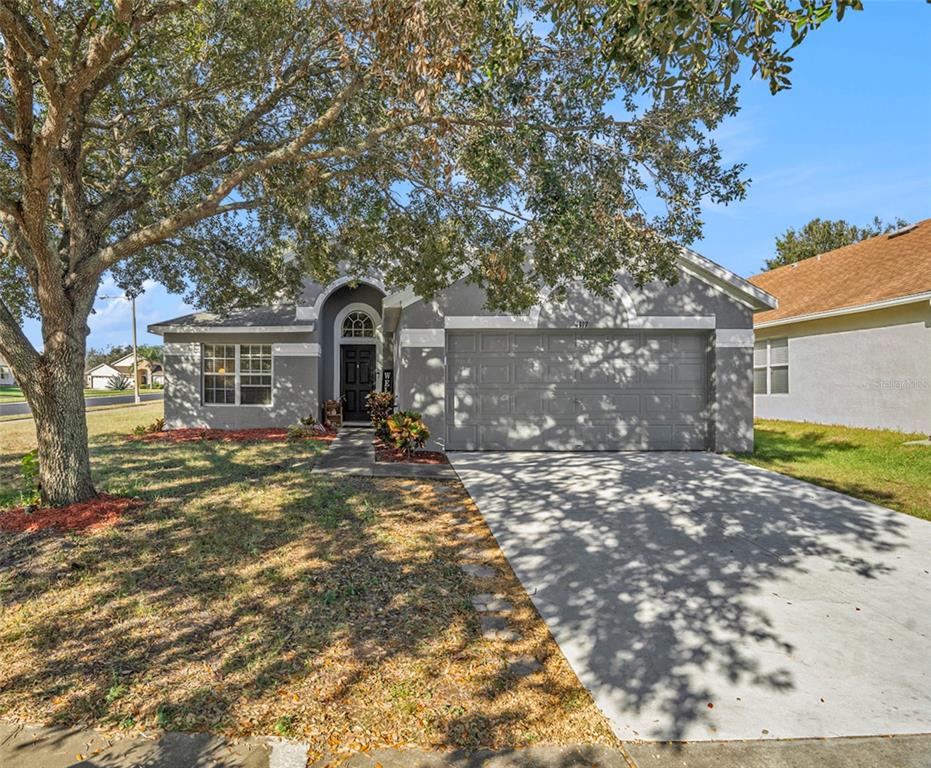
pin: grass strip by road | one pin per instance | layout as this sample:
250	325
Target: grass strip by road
15	394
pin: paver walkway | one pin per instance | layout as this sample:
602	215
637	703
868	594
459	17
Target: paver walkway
353	453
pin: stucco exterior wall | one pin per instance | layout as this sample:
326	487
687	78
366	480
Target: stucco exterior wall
420	371
871	369
294	377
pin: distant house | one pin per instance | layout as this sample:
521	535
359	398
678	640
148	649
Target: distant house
150	373
6	374
99	376
850	342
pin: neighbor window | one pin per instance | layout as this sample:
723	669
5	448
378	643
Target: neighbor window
771	367
237	374
5	372
358	325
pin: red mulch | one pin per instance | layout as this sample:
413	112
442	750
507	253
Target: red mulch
223	435
387	454
103	512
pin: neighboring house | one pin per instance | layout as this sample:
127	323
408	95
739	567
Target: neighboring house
851	340
99	376
150	372
663	367
6	375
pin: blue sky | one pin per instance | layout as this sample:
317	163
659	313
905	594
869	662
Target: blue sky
851	140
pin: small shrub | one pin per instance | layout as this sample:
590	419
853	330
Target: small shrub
380	406
406	431
148	429
119	383
301	430
308	421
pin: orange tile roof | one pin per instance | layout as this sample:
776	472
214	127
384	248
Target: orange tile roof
877	269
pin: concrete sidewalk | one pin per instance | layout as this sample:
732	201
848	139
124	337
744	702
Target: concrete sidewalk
34	747
353	453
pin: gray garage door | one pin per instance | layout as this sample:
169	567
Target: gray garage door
577	390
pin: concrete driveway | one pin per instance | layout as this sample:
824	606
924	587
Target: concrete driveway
700	598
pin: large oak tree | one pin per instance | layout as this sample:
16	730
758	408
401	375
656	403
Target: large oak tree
225	147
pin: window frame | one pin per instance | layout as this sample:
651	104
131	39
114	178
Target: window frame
237	375
358	338
768	366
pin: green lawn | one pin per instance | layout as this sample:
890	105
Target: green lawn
870	464
248	596
15	394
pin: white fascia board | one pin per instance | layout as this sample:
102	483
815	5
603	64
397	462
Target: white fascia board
733	337
733	283
490	322
160	330
402	299
886	303
422	337
672	322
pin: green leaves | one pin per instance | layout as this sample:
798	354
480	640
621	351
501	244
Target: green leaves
475	134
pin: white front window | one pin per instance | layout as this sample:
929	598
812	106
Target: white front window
237	374
771	367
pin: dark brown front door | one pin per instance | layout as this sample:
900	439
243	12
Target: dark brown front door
357	379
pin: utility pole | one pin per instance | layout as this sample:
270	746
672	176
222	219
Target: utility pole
137	399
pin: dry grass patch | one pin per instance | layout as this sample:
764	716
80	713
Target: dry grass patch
248	596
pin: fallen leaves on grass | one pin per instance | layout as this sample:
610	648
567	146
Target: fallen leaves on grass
251	597
96	514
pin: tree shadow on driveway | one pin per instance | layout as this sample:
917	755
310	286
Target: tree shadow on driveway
700	598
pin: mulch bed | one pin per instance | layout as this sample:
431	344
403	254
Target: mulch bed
103	512
224	435
386	454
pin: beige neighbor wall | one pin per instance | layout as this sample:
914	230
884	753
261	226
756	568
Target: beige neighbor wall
869	369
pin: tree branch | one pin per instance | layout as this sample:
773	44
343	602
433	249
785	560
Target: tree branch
213	202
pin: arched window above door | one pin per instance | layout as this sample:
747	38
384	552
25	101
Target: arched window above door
358	325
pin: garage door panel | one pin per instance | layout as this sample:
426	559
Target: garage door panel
577	390
493	342
528	371
494	404
494	373
462	343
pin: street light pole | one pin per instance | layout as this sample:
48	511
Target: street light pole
137	399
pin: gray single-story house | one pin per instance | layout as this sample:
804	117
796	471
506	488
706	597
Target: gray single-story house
658	368
850	342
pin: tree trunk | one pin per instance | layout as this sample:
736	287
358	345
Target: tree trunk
55	393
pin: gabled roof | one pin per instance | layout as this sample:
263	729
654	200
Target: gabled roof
250	319
99	366
884	270
126	361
